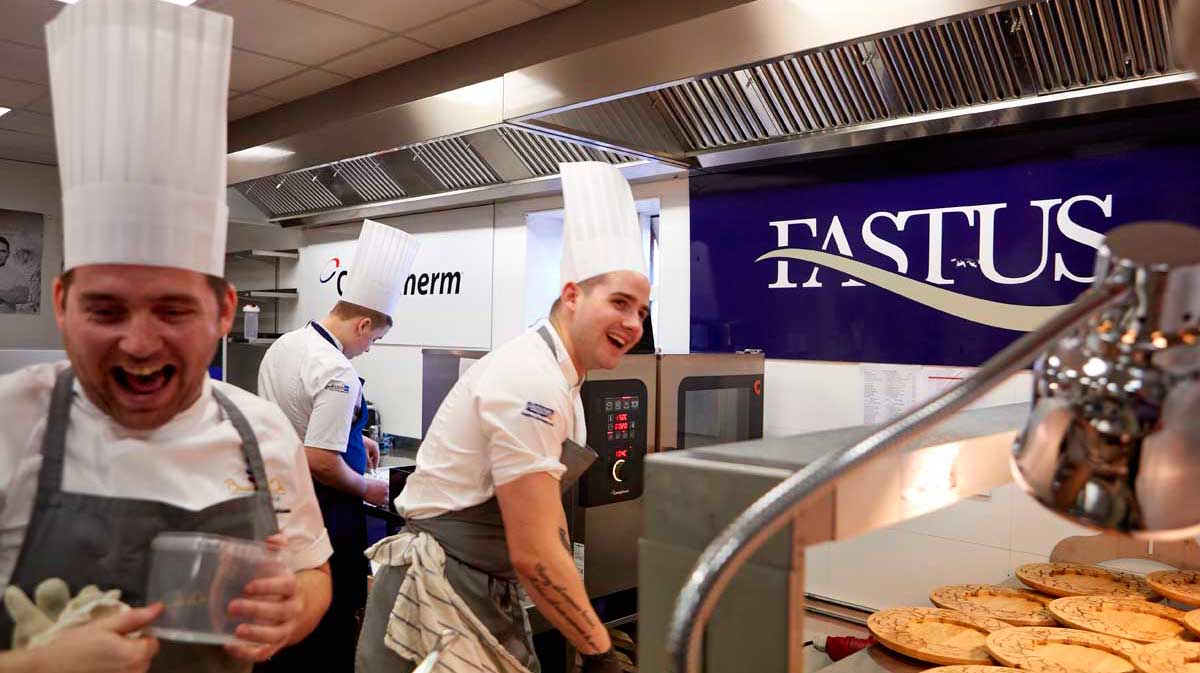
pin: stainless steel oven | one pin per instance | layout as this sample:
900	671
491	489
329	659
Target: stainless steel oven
709	398
620	408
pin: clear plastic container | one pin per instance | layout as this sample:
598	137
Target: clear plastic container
196	576
250	321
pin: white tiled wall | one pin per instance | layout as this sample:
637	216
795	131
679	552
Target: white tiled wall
977	541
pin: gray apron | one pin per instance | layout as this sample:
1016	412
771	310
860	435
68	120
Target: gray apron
477	567
90	539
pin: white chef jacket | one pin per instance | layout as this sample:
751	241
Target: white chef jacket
193	461
315	385
505	418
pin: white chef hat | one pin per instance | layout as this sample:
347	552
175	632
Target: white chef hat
140	94
381	262
601	232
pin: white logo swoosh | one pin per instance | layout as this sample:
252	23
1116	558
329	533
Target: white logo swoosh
983	311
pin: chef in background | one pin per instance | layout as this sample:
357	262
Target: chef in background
484	507
307	372
130	438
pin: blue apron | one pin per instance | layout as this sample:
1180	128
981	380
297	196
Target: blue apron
331	645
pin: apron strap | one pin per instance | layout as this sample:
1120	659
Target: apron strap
54	440
262	490
544	332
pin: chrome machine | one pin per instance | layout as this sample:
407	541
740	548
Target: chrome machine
710	398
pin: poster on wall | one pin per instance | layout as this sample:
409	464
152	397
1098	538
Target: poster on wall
939	268
20	261
447	296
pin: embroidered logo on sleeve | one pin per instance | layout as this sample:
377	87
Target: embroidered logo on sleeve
539	413
337	386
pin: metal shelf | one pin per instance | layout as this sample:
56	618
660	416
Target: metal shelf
282	293
264	255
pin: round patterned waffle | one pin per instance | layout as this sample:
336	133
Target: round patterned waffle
1014	606
1169	656
1129	618
1048	650
935	635
1178	585
1073	579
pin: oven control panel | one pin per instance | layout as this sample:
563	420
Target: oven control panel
616	413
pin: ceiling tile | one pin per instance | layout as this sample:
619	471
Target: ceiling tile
19	94
293	32
476	22
18	61
24	20
27	141
248	104
378	57
304	84
249	71
27	122
555	5
41	105
395	15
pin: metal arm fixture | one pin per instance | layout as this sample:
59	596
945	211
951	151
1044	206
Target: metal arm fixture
1110	442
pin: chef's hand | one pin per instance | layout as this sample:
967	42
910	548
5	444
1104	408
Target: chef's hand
605	662
102	646
372	452
377	492
270	606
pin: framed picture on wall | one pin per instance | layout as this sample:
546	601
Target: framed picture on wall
21	261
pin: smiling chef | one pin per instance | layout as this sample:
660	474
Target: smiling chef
484	507
131	438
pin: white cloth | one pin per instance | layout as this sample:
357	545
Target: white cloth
426	597
381	262
140	94
505	418
315	385
193	461
601	230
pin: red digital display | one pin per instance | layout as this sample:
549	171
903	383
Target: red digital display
621	417
621	453
618	427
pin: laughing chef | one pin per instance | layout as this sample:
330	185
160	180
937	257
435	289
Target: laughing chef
484	507
308	373
130	438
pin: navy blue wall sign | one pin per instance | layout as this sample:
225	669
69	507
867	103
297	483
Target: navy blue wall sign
940	268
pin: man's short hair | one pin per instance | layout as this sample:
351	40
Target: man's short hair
585	285
344	310
217	284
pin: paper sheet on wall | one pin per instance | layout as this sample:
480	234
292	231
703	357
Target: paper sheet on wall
887	391
933	381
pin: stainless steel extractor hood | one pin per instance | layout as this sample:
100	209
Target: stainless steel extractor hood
760	80
1009	63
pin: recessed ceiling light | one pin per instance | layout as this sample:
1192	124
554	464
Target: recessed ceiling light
4	111
185	3
262	153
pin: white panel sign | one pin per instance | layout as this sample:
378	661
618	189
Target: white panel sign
447	300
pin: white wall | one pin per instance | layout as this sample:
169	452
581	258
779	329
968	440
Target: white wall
34	188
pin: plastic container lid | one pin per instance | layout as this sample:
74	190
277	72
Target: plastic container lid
250	308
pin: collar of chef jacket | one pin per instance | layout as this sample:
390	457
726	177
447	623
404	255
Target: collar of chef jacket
327	335
560	354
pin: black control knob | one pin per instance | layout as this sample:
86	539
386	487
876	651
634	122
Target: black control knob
618	470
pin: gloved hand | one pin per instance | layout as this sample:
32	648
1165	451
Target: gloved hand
605	662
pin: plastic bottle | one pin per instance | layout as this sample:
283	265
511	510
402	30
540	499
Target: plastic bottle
250	321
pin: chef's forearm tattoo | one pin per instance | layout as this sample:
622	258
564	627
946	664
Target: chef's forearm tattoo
565	539
556	596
